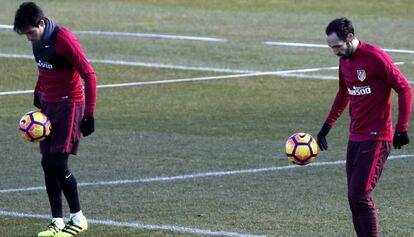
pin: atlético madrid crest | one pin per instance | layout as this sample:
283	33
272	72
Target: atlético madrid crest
361	74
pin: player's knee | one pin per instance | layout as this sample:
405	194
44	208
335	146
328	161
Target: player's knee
360	201
46	163
58	162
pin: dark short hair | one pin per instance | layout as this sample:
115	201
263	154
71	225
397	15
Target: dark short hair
28	14
341	26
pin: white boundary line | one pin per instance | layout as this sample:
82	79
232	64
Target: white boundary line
306	45
173	228
298	73
141	64
308	76
139	35
196	175
168	66
290	44
201	38
287	73
16	92
144	35
283	73
146	83
6	27
152	82
170	81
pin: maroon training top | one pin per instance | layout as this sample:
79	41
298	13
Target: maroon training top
365	82
61	62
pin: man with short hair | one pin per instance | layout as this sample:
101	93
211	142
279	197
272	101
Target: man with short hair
366	77
60	95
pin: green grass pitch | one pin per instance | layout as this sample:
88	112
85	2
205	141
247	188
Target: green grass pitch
189	128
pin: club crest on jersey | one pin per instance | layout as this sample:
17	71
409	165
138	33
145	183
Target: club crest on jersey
361	74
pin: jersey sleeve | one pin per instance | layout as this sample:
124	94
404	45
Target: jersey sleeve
340	102
400	85
68	46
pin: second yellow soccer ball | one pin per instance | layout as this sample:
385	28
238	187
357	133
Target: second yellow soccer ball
34	126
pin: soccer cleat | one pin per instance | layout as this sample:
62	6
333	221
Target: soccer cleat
72	229
52	230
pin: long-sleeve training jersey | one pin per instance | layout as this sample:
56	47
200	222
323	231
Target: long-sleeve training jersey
365	82
61	62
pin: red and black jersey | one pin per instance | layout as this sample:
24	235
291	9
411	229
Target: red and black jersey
61	62
365	82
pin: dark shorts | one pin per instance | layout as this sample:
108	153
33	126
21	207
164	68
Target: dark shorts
65	134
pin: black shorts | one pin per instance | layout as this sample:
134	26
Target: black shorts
65	133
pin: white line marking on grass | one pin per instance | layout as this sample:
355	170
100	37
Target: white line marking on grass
196	175
169	66
301	75
201	38
176	80
189	68
142	83
139	35
142	64
172	228
6	26
157	82
16	92
286	73
297	73
11	55
290	44
144	35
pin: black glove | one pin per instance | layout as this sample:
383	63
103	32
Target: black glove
323	144
87	126
37	100
400	139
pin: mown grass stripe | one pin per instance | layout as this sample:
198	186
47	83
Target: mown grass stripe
135	225
196	175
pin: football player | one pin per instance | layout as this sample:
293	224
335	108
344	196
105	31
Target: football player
61	63
367	75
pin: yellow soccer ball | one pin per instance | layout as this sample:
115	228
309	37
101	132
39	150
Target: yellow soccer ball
301	148
34	126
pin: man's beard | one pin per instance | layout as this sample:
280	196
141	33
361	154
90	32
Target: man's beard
348	51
